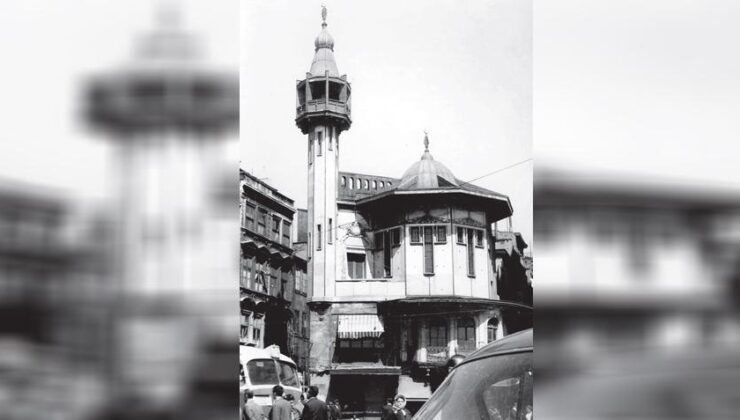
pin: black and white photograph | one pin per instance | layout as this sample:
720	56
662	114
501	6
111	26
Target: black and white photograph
386	195
330	210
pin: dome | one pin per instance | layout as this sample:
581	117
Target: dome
324	39
323	60
427	173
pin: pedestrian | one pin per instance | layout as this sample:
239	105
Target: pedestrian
399	408
314	408
387	412
295	413
280	407
253	410
335	410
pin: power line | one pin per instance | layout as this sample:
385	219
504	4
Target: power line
496	171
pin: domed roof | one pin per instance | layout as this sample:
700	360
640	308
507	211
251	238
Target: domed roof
427	173
323	60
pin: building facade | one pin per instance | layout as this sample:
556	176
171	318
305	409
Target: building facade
400	269
273	281
632	265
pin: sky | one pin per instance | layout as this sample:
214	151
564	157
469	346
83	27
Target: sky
48	51
624	86
462	73
643	89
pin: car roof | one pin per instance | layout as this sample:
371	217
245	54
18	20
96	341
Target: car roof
520	341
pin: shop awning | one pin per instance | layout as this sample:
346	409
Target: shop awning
359	326
364	368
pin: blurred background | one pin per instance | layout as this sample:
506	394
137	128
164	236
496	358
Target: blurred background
636	209
118	210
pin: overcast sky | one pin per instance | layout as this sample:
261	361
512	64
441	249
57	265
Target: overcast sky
49	48
461	71
638	87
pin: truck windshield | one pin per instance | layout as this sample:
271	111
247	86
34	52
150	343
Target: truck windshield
262	372
288	374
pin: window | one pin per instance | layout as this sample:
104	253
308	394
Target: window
479	238
466	333
319	141
441	234
249	216
415	236
438	333
387	271
262	372
396	236
351	183
286	232
304	325
332	133
366	184
330	231
492	327
296	322
318	237
276	228
246	272
310	148
428	251
285	284
375	185
382	185
460	235
356	266
261	221
344	181
471	254
274	289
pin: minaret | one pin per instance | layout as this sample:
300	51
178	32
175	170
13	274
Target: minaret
323	112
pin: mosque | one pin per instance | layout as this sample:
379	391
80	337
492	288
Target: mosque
400	270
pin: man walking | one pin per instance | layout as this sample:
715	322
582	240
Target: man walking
280	408
314	408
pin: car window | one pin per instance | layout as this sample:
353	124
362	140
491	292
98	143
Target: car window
288	375
494	388
262	372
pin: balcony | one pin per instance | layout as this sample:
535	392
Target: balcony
323	108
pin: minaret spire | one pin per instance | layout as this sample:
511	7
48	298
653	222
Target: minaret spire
323	16
426	141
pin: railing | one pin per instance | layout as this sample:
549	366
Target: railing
318	105
465	348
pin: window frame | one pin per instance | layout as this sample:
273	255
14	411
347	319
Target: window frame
479	238
470	254
437	238
428	243
352	265
460	235
418	240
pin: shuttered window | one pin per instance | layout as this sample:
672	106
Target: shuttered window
387	254
415	236
428	250
471	253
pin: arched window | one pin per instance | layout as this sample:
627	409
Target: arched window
366	184
351	183
382	185
438	332
375	184
492	328
465	334
344	181
389	184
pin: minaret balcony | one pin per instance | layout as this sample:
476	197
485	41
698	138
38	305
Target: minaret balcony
318	110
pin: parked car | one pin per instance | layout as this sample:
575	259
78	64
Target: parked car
494	383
